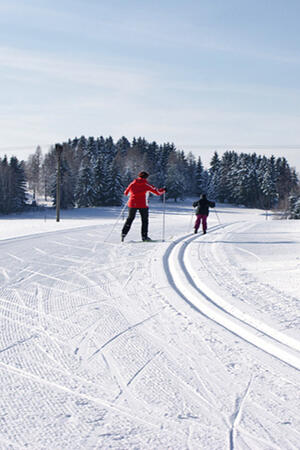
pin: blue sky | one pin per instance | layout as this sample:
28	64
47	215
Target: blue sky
206	75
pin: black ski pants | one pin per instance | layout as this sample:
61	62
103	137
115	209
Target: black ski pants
144	212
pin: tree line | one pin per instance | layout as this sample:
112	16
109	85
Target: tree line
12	185
95	172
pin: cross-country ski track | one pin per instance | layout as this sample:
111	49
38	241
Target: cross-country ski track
190	343
183	277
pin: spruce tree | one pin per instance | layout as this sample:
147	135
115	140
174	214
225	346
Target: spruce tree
122	146
268	188
18	193
175	182
84	193
294	207
114	188
199	177
6	186
98	182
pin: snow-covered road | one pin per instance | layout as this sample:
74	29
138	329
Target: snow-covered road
192	343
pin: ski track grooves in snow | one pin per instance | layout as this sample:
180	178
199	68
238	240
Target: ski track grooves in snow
236	417
201	298
55	385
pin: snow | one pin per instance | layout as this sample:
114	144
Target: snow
191	343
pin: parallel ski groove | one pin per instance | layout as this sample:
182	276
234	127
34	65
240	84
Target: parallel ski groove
205	301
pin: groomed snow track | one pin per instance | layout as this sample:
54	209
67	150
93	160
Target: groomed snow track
183	277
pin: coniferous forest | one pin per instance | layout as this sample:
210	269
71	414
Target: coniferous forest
95	172
12	185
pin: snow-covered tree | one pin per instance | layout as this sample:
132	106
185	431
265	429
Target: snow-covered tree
33	169
175	182
199	177
98	182
268	188
12	185
84	193
294	207
114	188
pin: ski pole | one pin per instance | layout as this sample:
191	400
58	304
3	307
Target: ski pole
218	217
191	221
116	222
164	216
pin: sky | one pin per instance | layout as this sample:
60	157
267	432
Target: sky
205	75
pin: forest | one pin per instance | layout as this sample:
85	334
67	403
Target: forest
95	172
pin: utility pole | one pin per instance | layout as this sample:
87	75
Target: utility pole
59	149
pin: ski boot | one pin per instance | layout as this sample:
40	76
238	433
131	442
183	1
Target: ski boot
146	239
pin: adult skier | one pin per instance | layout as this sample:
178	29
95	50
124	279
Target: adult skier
202	212
138	190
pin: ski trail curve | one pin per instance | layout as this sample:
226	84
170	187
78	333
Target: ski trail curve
200	297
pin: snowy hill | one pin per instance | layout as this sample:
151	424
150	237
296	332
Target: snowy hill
191	343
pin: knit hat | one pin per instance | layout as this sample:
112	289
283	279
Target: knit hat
143	174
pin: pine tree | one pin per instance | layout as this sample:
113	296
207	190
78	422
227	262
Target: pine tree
18	194
91	151
191	187
84	193
199	177
6	186
122	146
152	150
48	173
33	169
164	157
205	182
175	182
98	182
115	188
224	190
214	164
213	186
268	188
293	209
110	150
12	185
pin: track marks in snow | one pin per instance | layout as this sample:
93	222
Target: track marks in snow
157	363
19	342
130	328
4	274
236	417
198	295
143	367
216	257
54	385
249	253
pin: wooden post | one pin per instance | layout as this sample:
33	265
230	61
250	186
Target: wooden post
59	149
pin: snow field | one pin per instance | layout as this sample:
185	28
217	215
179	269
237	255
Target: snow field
102	345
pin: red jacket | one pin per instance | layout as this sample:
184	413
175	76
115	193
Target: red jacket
138	190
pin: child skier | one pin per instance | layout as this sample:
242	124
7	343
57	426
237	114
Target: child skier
138	190
202	212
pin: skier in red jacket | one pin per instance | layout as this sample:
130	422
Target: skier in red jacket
138	190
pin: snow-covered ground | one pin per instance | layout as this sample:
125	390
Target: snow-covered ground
191	343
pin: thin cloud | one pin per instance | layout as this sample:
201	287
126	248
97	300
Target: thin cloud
96	75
